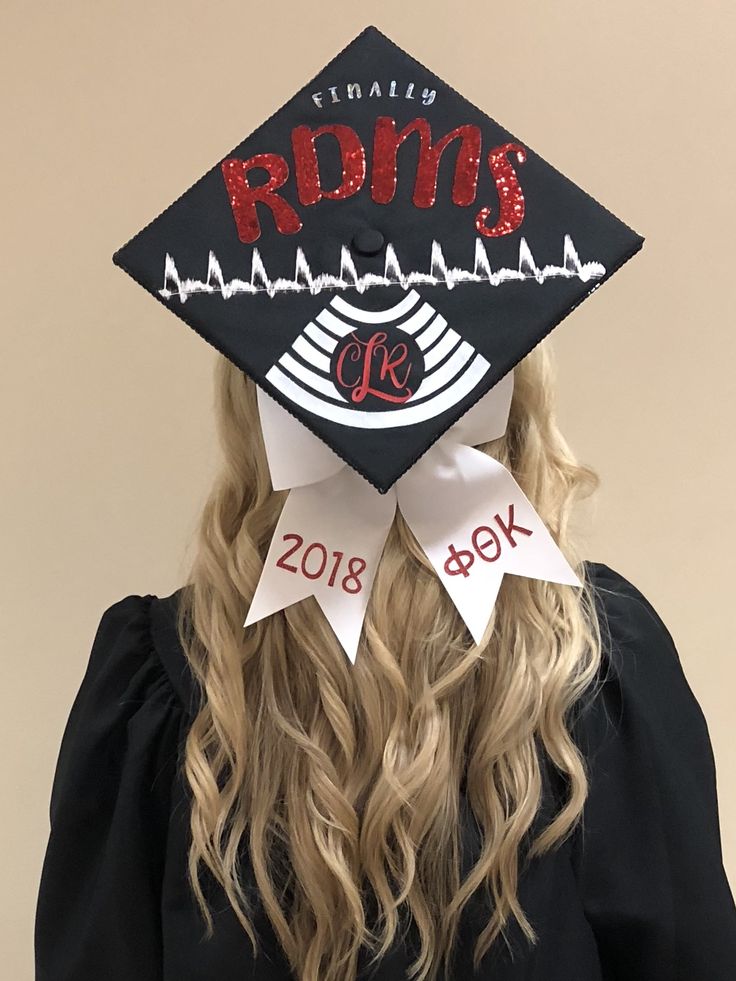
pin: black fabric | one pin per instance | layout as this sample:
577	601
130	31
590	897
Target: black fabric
638	893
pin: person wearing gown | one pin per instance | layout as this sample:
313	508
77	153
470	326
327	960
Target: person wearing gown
637	892
404	769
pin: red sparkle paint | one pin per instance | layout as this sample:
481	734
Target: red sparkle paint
306	165
386	141
510	195
243	197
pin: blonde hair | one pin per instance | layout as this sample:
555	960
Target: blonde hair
345	782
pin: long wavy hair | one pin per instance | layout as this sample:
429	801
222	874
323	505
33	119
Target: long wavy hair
344	785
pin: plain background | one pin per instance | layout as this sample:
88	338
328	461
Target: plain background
110	110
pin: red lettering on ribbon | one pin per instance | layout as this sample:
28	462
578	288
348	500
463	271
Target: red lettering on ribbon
281	561
511	527
459	562
483	540
349	583
482	545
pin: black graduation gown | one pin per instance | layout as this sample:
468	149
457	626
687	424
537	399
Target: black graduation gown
637	893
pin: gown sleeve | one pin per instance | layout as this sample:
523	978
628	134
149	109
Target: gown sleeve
648	851
98	909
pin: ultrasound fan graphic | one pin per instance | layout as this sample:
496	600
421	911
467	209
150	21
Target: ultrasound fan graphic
441	368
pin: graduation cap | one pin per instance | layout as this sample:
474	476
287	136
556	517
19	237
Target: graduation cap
377	255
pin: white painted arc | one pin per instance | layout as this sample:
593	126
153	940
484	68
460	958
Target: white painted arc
334	324
418	320
375	316
443	375
441	349
309	353
317	382
431	332
317	335
413	325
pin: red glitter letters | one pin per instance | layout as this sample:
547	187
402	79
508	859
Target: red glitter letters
510	195
306	165
386	142
243	197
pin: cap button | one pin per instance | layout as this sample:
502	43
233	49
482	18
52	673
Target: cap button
368	241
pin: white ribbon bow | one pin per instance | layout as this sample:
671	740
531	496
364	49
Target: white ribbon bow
465	509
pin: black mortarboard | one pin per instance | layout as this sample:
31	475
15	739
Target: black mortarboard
377	255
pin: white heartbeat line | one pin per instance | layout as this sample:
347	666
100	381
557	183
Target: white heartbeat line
348	277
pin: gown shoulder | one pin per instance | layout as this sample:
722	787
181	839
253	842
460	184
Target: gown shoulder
109	809
648	851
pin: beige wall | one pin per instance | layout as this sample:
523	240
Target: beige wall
112	108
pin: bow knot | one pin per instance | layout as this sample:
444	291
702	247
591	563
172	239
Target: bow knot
465	509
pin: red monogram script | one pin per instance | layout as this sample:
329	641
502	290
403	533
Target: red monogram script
373	367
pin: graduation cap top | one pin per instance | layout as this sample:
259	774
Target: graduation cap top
377	255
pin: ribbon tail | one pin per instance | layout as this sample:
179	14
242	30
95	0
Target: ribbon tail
475	524
346	619
327	544
278	587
